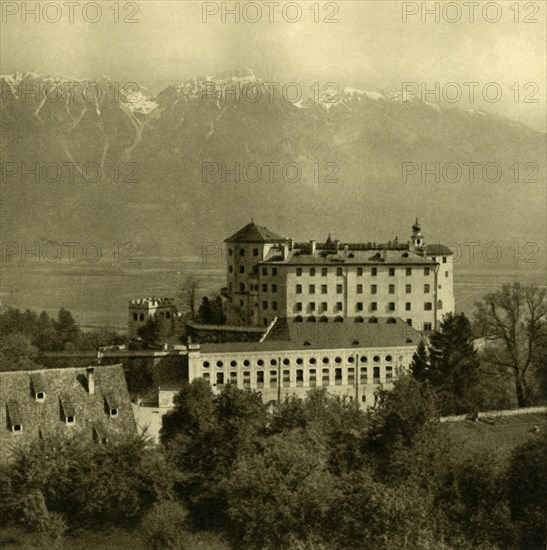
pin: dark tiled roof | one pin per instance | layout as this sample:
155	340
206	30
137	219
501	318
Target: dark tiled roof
253	233
438	250
290	335
66	394
372	257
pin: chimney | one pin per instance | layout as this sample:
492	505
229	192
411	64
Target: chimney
313	245
91	380
346	250
337	245
291	244
285	251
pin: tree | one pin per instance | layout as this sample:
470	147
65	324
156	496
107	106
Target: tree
66	328
205	312
420	363
164	526
16	352
514	318
188	292
150	333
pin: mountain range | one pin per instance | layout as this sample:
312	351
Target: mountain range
167	160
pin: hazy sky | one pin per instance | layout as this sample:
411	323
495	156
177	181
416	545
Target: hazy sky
370	47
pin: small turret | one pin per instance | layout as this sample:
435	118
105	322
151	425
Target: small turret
417	240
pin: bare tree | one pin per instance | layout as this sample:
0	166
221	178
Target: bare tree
515	317
188	294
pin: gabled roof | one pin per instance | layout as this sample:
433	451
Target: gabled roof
253	233
67	395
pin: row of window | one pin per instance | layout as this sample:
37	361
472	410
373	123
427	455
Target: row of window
298	361
359	306
255	252
142	316
312	271
326	377
358	289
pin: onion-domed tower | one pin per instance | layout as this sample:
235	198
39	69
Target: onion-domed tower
417	243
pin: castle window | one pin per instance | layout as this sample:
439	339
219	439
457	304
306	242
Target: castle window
260	362
428	306
299	272
246	363
408	271
351	375
374	306
389	374
409	322
273	362
439	304
264	288
298	319
286	378
427	271
298	306
312	271
325	378
359	306
299	361
299	289
242	252
389	358
338	376
324	271
351	359
274	306
241	287
141	317
324	289
264	305
135	316
339	271
274	271
242	269
363	377
373	319
220	364
408	306
391	321
427	327
299	377
168	315
233	378
392	272
408	289
326	360
274	289
363	359
338	319
273	379
312	360
286	361
359	289
373	289
230	252
359	271
338	306
312	306
260	379
323	319
339	289
206	364
376	375
241	303
312	289
233	364
359	319
446	273
374	271
392	289
324	306
220	379
376	358
426	289
255	251
264	271
246	379
313	377
434	259
444	259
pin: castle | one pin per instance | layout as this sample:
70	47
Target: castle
271	276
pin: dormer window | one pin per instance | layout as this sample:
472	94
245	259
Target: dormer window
15	417
17	428
39	387
70	419
114	412
40	396
68	411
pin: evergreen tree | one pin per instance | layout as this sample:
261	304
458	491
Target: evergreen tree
205	313
420	363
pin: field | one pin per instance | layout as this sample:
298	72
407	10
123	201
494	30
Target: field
499	435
